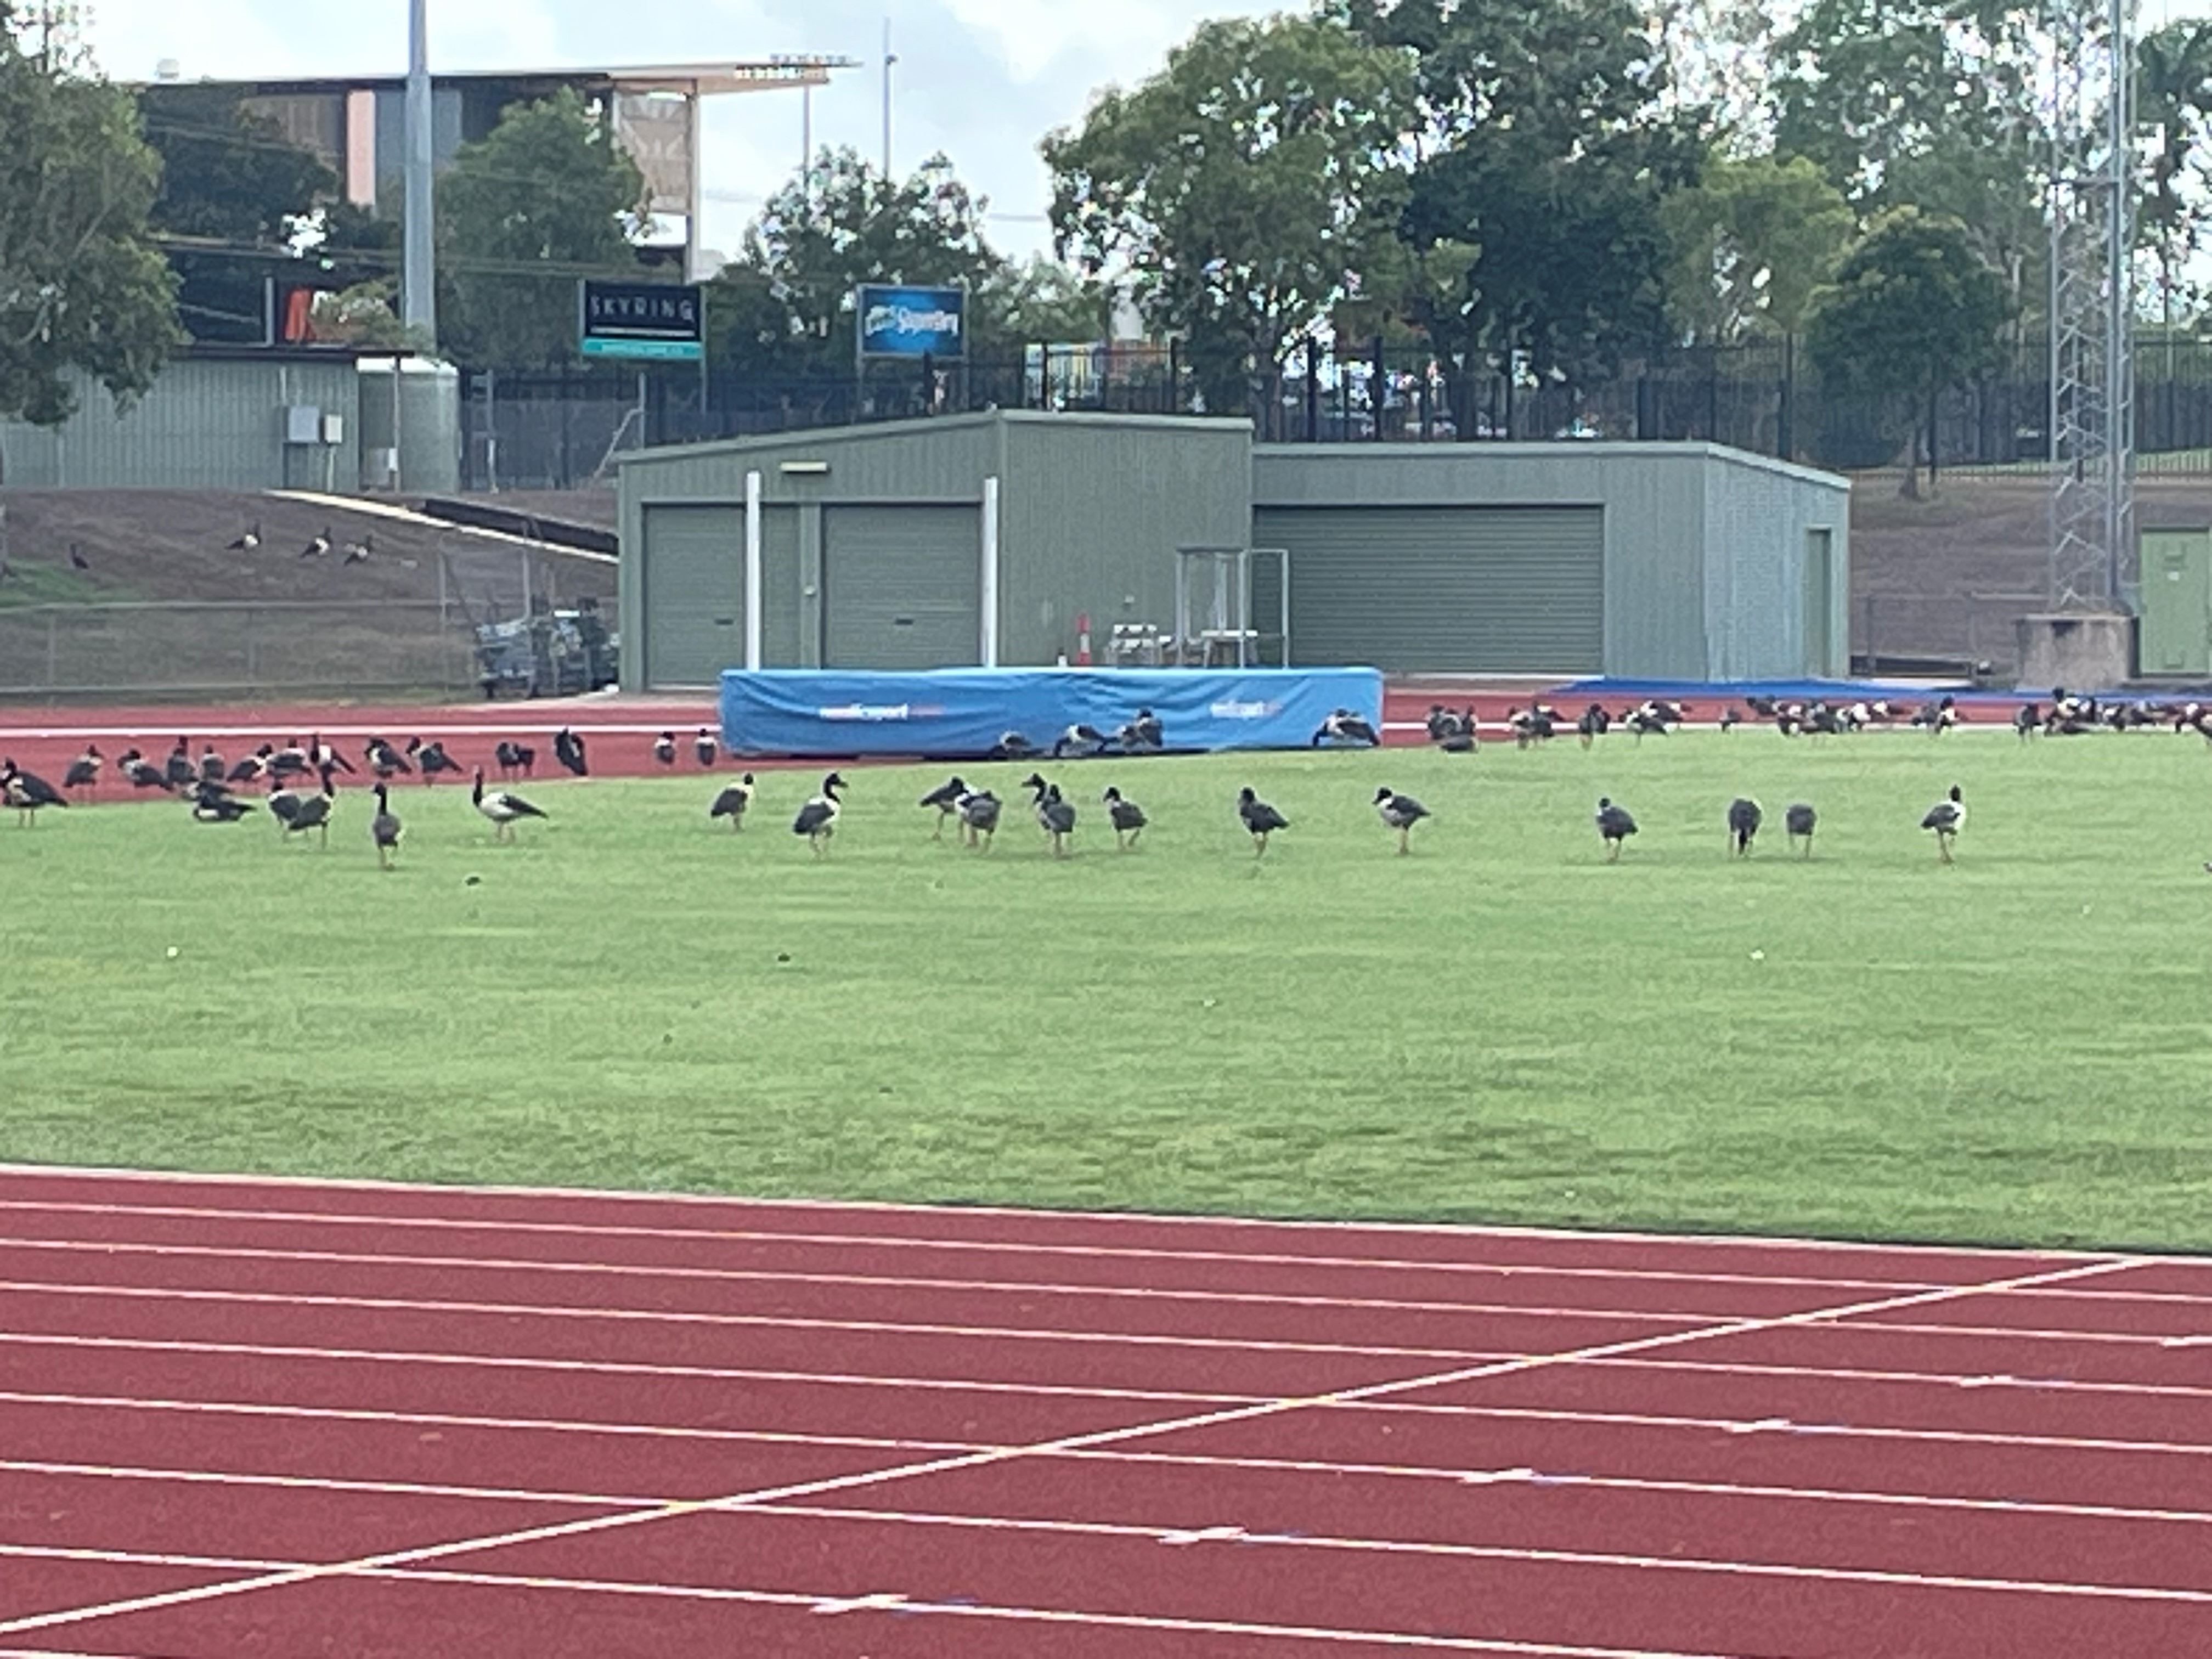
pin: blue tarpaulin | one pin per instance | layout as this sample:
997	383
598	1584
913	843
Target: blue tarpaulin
967	711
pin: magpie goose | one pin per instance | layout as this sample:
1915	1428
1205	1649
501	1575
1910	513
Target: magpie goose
252	769
732	801
1011	745
1400	813
27	792
1529	725
384	828
1080	738
1731	717
214	804
212	766
946	797
320	545
180	768
818	819
1128	819
83	773
978	818
569	749
1343	726
247	542
291	762
702	747
1946	817
2027	721
1260	820
1593	723
384	760
1744	818
315	812
1799	821
663	749
1057	815
324	756
1143	732
358	552
501	807
432	759
1616	825
515	759
1646	721
77	561
142	773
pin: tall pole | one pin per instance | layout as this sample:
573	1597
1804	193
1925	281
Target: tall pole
806	142
889	59
418	284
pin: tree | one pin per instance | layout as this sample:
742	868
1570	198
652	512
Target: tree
1242	190
1548	139
1043	302
81	285
547	198
1914	311
236	194
2173	101
1751	241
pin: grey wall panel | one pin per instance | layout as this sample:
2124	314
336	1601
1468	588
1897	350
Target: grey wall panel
1471	589
901	586
783	614
694	594
1766	614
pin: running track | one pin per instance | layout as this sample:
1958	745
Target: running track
243	1417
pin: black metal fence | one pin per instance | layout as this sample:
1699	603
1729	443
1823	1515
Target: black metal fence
562	428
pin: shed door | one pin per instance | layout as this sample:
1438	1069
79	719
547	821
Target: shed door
2177	602
901	586
1412	589
1819	602
695	593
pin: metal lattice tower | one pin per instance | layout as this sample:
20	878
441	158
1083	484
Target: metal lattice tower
2093	217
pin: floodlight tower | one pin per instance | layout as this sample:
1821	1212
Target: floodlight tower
418	293
2093	221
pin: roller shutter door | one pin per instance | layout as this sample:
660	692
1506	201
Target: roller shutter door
1437	589
695	593
901	586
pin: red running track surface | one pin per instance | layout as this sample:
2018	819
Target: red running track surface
246	1416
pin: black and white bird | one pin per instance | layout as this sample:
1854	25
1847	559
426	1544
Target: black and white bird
702	747
291	762
1593	723
663	749
1451	731
1614	824
1799	821
247	542
77	561
1054	814
1127	817
180	769
83	773
979	811
142	774
1011	745
2027	721
322	755
569	749
1646	721
250	768
386	762
1081	738
358	552
314	811
1343	725
213	768
431	759
27	792
1143	733
1947	817
384	828
320	545
818	819
515	759
1529	725
1260	820
731	802
1400	813
214	804
1731	717
946	797
503	807
1744	818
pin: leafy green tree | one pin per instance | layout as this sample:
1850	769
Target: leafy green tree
1042	301
1243	189
548	197
1751	242
1914	310
81	284
2173	101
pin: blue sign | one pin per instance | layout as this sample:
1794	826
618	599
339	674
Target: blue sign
656	320
912	322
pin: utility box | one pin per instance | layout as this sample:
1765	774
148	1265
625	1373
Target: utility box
303	425
2176	636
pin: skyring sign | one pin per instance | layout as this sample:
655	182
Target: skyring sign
911	322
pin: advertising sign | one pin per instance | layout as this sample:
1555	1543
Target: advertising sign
912	322
655	320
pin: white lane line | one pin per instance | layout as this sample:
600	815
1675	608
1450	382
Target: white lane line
915	1243
1424	1547
882	1601
1108	1220
1999	1332
1377	1391
2059	1385
143	1559
107	1250
251	1479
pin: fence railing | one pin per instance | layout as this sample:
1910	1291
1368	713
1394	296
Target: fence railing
561	428
212	648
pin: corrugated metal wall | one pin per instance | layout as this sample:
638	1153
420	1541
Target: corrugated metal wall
901	586
207	424
1764	557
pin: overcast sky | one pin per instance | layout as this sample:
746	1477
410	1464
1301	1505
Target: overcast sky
982	80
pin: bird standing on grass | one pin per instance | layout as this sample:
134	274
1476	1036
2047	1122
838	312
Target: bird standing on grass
1400	812
1799	821
1616	825
978	818
515	759
732	801
1946	817
384	828
27	792
384	760
180	769
313	811
1744	818
569	749
432	759
1054	816
213	767
250	768
83	773
142	773
2027	721
946	797
1260	820
214	804
1343	725
501	807
702	747
1128	819
818	819
663	749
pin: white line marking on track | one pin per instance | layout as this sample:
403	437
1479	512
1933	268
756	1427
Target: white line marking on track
1372	1392
1932	1379
143	1559
582	1197
325	1483
882	1601
107	1249
1181	1536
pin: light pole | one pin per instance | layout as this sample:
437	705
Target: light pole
889	59
418	296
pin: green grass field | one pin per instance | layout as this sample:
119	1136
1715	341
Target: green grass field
1500	1027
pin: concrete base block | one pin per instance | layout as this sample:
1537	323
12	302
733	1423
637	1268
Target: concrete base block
2089	652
